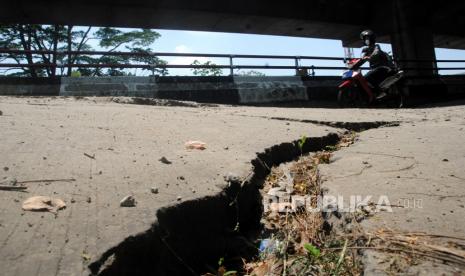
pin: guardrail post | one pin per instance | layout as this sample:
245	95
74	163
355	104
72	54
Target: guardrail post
296	66
231	66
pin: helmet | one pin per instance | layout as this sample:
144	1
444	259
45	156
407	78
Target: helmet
368	34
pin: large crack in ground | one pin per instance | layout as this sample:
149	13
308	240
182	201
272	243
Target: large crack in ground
189	238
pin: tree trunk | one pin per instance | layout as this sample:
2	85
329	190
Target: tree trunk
27	46
55	46
70	41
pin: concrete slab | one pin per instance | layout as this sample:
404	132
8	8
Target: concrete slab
419	168
46	138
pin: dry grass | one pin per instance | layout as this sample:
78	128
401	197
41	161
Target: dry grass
300	245
302	248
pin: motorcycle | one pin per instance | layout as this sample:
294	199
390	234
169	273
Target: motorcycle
355	90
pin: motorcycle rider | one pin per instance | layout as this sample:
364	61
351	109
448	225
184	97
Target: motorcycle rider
381	64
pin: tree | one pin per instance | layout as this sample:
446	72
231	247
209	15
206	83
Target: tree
32	37
206	71
68	38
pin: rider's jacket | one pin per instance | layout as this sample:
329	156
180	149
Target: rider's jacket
378	58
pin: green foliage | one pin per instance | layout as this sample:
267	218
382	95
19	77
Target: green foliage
206	71
301	142
221	261
76	74
63	38
312	250
114	38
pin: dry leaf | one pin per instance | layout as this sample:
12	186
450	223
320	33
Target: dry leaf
43	203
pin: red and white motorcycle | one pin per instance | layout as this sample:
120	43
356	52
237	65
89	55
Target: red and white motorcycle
355	90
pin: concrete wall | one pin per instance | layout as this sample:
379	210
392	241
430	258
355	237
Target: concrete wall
270	89
223	90
108	86
229	90
29	86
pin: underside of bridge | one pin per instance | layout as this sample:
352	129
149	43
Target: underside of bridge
413	27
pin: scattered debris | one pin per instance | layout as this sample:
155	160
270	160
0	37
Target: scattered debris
232	178
11	185
43	203
90	156
159	102
196	145
128	201
164	160
154	190
47	180
12	188
85	257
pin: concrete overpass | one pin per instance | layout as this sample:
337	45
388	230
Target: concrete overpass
413	27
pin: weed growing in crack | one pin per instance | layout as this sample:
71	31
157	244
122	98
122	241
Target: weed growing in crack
301	143
222	271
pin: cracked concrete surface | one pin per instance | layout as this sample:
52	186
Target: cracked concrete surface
47	138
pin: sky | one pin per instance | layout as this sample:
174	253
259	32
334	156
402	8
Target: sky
232	43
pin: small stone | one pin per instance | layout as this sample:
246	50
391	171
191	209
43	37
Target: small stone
6	169
193	191
154	190
30	224
44	158
1	113
226	148
445	160
231	177
179	198
164	160
128	201
73	200
181	177
89	199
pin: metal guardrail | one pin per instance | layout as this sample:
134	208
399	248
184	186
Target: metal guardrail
231	66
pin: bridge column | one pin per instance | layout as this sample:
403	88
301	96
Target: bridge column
412	38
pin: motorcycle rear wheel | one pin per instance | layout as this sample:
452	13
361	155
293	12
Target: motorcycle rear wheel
397	97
